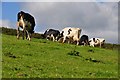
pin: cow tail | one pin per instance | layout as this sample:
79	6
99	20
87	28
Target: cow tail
79	32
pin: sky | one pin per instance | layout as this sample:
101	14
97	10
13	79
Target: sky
96	19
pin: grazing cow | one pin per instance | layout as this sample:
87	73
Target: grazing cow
51	34
27	23
97	42
71	34
84	40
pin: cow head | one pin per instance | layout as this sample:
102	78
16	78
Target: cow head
45	34
60	36
21	14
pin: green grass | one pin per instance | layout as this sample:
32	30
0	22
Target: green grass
40	58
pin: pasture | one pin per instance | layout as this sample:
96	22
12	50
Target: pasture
40	58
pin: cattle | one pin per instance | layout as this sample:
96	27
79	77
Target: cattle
27	23
96	42
84	40
71	34
51	34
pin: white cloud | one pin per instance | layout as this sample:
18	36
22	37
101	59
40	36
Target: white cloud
98	19
7	23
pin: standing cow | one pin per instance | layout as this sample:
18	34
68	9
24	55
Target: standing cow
71	34
51	34
27	23
84	40
97	42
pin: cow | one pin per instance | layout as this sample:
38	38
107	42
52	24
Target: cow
71	34
51	34
27	23
96	42
84	40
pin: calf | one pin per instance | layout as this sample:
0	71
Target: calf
71	34
97	42
27	23
51	34
84	40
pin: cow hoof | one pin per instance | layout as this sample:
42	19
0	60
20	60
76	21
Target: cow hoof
29	39
17	37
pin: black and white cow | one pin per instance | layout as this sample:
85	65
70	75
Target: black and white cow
51	34
84	40
96	42
71	34
27	23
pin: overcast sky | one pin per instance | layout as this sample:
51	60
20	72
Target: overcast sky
96	19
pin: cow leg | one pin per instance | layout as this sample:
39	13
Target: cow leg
23	34
53	37
87	42
28	35
56	38
100	44
64	39
93	45
18	30
68	41
18	33
84	43
24	30
47	38
77	42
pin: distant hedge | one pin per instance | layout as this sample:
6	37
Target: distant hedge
111	46
10	31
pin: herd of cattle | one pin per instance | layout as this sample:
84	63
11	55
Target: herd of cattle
68	34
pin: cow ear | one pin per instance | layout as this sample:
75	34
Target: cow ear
22	12
103	40
62	32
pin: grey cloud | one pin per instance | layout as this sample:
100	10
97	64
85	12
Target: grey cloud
94	18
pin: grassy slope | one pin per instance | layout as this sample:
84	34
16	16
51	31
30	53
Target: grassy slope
43	59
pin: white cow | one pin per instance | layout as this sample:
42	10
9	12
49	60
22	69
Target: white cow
71	34
96	41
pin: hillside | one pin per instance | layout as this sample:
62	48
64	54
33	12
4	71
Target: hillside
40	58
10	31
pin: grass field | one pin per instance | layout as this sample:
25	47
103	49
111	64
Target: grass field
40	58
